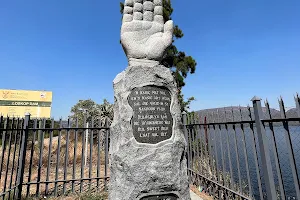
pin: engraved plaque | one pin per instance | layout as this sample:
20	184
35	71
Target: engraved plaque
161	197
152	121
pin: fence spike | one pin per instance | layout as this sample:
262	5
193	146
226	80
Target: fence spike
214	119
224	114
249	110
282	108
240	109
232	113
199	118
268	110
266	101
218	116
290	148
211	117
297	101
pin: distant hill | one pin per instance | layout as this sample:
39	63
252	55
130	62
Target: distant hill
292	113
233	113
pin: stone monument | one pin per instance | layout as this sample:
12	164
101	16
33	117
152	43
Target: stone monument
147	144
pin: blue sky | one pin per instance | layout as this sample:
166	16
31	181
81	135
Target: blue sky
71	47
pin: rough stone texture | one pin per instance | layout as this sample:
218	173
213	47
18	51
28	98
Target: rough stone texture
145	170
136	168
144	35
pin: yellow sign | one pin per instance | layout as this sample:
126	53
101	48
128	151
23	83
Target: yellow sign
18	102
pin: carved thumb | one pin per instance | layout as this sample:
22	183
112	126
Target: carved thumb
168	32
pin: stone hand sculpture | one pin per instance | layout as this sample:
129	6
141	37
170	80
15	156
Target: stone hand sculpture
144	35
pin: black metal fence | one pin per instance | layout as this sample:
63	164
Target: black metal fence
245	153
42	157
236	153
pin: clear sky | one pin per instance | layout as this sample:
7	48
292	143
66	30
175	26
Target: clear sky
71	47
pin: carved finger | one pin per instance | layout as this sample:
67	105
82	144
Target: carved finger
158	2
158	10
138	7
168	32
148	16
137	11
138	16
129	3
159	19
148	6
158	14
128	10
127	18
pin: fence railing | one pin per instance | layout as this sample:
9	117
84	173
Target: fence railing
245	153
42	157
236	153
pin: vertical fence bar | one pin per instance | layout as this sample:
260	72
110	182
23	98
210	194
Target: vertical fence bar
57	158
75	154
66	156
2	128
8	154
14	157
41	132
106	153
3	145
83	152
197	127
229	154
216	151
20	131
49	157
255	156
297	101
31	156
290	149
201	146
206	137
98	154
276	156
264	149
222	151
192	140
236	152
187	141
210	153
246	155
190	147
21	166
91	154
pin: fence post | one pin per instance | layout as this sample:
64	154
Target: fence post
21	165
264	149
187	141
107	135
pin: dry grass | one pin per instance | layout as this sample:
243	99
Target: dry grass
202	195
58	164
85	196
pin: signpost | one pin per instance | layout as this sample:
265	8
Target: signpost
18	102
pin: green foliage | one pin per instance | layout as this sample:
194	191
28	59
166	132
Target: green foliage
180	64
90	111
185	105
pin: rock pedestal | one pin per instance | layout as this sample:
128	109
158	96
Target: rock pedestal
147	144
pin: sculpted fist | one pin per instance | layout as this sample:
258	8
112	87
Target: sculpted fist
144	35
